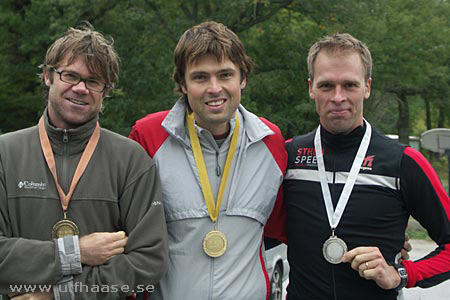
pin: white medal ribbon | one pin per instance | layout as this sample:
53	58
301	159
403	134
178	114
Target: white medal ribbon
335	216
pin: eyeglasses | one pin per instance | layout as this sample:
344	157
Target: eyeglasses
74	79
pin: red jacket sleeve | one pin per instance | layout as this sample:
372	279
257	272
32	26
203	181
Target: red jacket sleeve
429	204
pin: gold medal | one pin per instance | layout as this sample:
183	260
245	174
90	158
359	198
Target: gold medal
64	228
215	243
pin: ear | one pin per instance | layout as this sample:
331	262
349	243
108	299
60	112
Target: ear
367	87
310	87
106	92
243	83
183	88
47	78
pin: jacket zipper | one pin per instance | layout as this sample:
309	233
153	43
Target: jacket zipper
211	280
65	157
218	169
333	274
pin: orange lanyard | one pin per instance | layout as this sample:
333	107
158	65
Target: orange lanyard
81	167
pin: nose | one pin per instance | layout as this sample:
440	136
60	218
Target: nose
214	86
80	87
339	94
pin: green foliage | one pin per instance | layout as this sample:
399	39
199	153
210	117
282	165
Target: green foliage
409	40
418	234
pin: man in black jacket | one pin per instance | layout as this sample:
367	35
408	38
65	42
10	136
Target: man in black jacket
349	192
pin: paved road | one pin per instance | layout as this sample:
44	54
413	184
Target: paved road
439	292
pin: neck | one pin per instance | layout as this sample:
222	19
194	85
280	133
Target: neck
221	136
216	129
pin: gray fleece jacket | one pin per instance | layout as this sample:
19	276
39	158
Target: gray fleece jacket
119	190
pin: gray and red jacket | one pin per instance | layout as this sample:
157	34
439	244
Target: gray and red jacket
253	184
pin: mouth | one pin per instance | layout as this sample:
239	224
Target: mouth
77	101
338	112
217	102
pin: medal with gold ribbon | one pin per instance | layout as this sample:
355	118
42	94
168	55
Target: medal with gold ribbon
66	227
215	242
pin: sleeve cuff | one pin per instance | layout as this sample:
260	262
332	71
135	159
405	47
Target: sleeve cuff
69	255
63	290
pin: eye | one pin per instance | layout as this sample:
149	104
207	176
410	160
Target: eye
199	77
351	85
94	84
70	77
325	86
226	75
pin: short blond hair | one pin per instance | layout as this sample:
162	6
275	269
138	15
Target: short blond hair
340	42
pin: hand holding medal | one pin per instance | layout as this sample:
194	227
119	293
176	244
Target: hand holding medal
370	264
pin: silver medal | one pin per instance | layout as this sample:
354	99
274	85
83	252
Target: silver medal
333	249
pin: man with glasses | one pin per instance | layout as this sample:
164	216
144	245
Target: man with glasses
94	85
81	212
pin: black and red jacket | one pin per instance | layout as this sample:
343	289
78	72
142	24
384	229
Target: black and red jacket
394	182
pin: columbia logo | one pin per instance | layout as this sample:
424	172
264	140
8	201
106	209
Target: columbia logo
157	203
32	185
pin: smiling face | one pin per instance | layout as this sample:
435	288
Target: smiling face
70	106
213	90
339	90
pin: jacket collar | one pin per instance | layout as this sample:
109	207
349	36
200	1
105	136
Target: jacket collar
343	141
175	123
69	141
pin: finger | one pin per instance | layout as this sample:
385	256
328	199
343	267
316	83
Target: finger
117	251
350	255
370	274
119	235
360	260
407	246
117	247
405	254
119	243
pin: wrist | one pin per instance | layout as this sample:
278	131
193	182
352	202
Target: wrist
69	255
402	274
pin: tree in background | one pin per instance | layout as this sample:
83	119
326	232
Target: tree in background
409	40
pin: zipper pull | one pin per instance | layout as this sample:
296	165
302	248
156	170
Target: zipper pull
218	170
65	136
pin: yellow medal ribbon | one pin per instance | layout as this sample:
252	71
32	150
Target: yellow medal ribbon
213	209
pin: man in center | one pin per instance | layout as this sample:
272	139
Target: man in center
221	168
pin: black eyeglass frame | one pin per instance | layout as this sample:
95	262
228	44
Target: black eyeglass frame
107	85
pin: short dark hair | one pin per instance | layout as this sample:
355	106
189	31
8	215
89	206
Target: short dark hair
209	38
